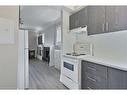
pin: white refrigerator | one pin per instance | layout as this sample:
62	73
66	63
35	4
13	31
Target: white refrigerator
23	60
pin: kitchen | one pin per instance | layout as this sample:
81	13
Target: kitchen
94	48
87	40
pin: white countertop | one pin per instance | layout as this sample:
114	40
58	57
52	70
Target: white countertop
122	65
118	64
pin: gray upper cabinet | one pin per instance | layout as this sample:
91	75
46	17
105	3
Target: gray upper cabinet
96	19
100	19
116	18
78	19
74	20
83	17
117	79
71	21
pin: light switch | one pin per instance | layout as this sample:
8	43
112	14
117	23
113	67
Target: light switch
6	31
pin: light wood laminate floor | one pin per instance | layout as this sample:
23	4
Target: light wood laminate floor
41	76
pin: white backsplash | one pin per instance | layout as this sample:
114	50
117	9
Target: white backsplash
110	45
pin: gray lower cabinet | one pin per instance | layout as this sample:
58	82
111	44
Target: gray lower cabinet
117	79
95	76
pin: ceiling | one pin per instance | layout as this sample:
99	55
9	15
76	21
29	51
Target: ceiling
39	18
73	9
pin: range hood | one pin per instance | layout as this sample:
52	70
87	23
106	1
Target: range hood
79	30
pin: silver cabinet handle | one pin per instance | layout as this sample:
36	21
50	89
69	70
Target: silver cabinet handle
76	22
92	79
103	27
107	27
92	68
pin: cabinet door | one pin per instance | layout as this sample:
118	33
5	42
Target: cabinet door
71	21
83	17
117	79
96	19
83	80
74	20
116	18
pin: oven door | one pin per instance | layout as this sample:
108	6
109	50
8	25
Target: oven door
70	69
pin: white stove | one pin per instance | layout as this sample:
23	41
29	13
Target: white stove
71	69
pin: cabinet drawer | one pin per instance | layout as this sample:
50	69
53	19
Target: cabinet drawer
90	85
96	79
95	69
93	85
96	82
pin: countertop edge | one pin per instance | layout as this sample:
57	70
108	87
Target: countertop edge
111	65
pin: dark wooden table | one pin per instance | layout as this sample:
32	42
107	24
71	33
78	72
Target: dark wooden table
31	54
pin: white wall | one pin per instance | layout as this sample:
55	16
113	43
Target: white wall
110	45
9	53
67	38
49	35
32	36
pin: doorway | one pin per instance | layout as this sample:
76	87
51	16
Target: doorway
44	47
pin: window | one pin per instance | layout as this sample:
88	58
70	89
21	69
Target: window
58	35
